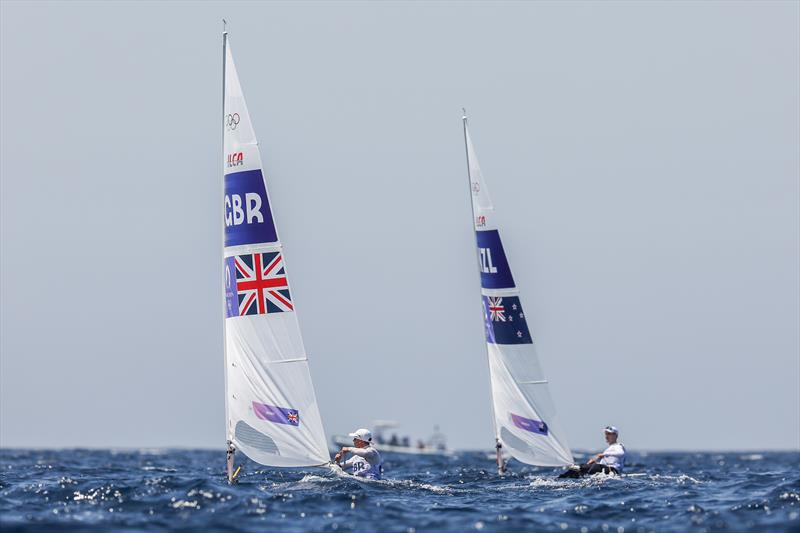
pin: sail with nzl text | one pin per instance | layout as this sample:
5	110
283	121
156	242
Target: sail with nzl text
525	418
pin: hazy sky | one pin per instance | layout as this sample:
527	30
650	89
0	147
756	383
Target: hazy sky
642	158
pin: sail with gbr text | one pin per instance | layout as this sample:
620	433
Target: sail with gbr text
524	415
271	410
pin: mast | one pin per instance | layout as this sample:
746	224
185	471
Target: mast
230	454
501	467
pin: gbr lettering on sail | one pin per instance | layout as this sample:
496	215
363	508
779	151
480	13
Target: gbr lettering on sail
248	218
236	212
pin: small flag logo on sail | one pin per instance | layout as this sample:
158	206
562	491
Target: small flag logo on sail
278	415
528	424
256	284
505	321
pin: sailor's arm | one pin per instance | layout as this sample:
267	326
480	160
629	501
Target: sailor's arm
342	462
596	458
613	451
361	452
340	454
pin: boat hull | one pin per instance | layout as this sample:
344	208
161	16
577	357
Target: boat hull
344	440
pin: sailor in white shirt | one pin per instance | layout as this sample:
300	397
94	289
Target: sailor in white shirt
611	461
366	462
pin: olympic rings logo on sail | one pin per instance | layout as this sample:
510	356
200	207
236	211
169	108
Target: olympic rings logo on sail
231	121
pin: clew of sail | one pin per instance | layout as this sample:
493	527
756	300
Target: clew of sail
525	417
271	410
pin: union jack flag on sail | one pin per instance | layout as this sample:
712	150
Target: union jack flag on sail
496	309
261	284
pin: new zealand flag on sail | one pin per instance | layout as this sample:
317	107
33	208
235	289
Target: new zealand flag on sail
505	321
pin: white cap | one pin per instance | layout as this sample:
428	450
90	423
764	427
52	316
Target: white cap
611	429
362	434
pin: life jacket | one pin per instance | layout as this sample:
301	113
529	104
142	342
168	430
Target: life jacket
363	468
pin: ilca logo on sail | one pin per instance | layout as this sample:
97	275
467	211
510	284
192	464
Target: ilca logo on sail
235	159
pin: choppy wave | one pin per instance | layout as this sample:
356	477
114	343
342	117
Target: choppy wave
177	489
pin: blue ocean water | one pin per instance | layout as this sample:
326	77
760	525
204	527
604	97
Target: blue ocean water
185	489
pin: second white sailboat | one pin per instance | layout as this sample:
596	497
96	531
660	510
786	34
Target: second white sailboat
525	422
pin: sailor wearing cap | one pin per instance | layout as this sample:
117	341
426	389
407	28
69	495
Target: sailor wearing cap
611	461
366	461
614	456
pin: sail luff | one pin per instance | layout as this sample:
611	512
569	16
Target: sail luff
228	435
230	451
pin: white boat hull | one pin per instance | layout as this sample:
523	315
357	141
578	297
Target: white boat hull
343	440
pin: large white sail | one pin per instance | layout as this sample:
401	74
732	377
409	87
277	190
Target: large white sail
525	418
271	410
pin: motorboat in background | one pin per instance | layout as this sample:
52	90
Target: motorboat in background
391	442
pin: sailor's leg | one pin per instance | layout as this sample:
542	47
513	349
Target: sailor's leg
611	470
573	472
597	468
584	470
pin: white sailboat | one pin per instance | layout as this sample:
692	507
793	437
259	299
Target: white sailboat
270	407
525	422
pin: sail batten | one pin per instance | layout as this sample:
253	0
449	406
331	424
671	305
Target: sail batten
524	416
271	409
